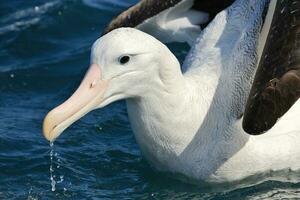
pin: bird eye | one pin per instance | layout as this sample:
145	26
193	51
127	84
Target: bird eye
124	59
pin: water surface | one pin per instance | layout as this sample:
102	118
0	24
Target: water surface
44	52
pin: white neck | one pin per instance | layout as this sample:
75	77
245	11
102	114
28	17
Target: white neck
176	119
194	113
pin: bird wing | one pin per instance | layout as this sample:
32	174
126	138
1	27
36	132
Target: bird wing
170	20
138	13
276	85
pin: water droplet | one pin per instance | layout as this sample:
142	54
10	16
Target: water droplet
55	164
61	179
53	183
52	177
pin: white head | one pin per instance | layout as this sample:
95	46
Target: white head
125	63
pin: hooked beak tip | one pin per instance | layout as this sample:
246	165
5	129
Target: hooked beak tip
86	98
48	128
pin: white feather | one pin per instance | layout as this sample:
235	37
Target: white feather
188	123
199	135
178	23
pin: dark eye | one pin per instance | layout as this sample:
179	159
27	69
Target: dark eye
124	59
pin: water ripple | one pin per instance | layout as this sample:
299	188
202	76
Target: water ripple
44	53
109	5
25	18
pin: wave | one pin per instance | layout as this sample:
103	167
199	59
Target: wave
30	12
109	5
25	18
20	25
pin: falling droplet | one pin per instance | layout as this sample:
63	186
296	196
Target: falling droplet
52	177
55	164
61	179
53	183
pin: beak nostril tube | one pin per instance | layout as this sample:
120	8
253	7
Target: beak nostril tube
93	84
86	98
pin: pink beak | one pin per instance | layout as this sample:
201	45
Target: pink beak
86	98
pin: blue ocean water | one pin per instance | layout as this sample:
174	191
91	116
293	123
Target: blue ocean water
44	53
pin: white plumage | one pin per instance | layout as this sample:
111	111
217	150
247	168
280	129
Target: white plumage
192	126
190	123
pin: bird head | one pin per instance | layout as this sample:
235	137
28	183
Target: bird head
124	64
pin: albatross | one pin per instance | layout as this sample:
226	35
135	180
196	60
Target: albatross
233	113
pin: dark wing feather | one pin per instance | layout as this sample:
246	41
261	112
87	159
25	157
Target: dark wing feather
140	12
213	7
146	9
276	85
